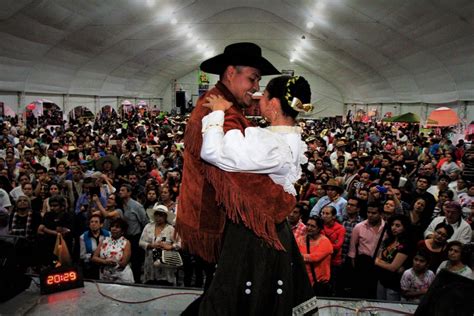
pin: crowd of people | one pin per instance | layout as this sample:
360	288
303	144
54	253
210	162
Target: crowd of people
381	207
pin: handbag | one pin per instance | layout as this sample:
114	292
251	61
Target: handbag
167	259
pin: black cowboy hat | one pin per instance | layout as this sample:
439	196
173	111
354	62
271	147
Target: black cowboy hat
239	54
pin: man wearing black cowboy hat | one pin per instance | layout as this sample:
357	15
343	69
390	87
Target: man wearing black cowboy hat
239	219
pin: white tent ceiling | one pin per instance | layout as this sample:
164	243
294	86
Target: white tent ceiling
369	50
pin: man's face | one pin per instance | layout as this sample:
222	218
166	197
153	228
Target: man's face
38	173
22	203
76	174
422	184
61	169
24	180
452	215
350	166
142	167
331	192
352	207
428	170
55	207
373	216
133	179
294	216
124	193
94	224
243	81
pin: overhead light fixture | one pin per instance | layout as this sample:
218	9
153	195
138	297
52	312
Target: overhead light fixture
209	54
310	25
174	21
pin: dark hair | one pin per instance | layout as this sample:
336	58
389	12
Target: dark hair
443	176
424	177
332	208
375	205
353	160
448	192
464	250
278	88
120	223
424	254
59	199
318	221
127	186
101	219
355	199
449	229
404	220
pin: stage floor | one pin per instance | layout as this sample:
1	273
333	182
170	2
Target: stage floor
88	301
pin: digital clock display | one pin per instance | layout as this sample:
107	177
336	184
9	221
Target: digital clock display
60	279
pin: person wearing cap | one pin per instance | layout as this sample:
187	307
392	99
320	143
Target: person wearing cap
453	212
159	234
333	198
227	217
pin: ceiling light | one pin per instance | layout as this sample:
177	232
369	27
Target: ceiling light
209	54
174	21
310	25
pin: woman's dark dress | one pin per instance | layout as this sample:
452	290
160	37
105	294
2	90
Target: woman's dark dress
254	279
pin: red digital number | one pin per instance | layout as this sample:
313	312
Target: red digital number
56	278
61	278
72	276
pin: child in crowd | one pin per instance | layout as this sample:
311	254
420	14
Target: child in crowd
416	280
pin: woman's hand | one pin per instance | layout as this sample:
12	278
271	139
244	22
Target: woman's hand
167	246
109	262
216	103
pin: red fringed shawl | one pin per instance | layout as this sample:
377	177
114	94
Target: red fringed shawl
208	194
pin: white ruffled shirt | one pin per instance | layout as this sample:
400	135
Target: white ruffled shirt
276	150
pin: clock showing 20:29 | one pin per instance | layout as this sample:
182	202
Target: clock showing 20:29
60	279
